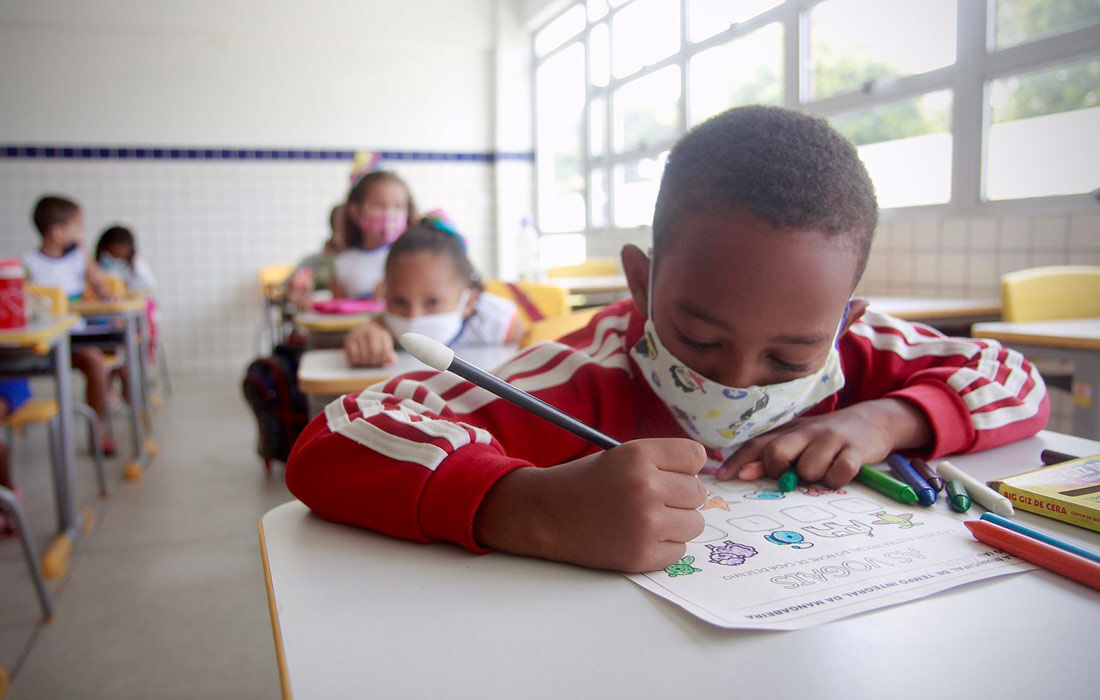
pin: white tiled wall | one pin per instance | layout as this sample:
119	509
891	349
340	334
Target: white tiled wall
206	227
965	257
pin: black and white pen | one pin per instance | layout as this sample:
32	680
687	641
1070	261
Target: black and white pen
438	356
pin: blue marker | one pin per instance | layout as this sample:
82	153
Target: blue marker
1041	536
926	495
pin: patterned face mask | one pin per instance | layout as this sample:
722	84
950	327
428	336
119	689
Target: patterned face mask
390	225
721	416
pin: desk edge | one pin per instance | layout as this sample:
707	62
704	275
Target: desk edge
276	629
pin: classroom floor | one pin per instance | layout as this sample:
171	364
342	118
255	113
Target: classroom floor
165	598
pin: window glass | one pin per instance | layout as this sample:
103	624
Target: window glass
747	70
906	146
597	197
597	127
706	18
646	110
643	33
856	42
599	56
597	10
559	105
1043	134
561	29
636	185
1020	21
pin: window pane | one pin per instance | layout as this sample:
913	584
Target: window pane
906	146
1043	133
647	110
597	127
559	110
558	31
708	17
643	33
636	186
597	197
597	9
599	56
1020	21
853	42
747	70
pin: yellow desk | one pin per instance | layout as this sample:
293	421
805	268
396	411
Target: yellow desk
323	374
1074	339
328	330
131	311
19	349
938	312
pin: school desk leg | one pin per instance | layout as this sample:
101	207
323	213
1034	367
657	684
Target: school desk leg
56	558
136	468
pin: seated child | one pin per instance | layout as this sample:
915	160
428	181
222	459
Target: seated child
316	272
116	254
379	208
63	262
13	394
431	288
741	343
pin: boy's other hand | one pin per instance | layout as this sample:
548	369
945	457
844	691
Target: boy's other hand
369	345
830	448
631	508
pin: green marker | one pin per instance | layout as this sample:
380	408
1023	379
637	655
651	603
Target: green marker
788	480
957	496
897	490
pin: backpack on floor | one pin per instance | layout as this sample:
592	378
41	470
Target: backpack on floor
271	388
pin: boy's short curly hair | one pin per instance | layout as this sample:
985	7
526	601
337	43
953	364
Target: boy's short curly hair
790	169
52	210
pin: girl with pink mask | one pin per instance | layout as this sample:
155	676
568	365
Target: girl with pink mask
378	209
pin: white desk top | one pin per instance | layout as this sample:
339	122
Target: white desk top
360	614
1067	333
327	371
924	308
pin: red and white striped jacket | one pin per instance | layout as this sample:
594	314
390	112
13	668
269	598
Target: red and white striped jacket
414	457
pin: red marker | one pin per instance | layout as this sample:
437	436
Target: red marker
1039	553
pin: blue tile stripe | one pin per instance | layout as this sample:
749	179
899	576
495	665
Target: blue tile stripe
34	152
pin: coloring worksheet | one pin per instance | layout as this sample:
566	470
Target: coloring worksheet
784	561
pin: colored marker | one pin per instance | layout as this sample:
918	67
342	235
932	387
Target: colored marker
987	497
926	495
927	473
957	496
1037	552
884	483
1050	457
788	480
1041	536
437	355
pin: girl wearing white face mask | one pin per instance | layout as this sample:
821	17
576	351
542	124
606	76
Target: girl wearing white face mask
431	288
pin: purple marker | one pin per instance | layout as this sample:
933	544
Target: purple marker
926	495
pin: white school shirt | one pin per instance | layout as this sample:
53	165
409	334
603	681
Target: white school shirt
489	323
66	271
360	271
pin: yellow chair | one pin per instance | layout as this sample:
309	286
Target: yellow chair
54	297
594	267
272	278
1049	293
550	300
36	411
557	326
13	509
116	287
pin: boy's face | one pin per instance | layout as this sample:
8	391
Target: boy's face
742	303
70	232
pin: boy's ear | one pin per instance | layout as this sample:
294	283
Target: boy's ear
856	308
636	268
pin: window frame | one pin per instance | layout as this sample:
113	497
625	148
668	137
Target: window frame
976	64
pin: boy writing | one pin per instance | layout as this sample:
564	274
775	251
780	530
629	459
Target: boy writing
63	261
741	343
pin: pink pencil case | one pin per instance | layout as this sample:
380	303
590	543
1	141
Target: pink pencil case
348	306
